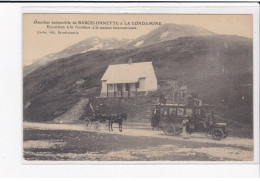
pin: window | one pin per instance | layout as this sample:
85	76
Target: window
189	112
164	112
127	87
172	111
198	111
110	87
180	112
137	85
119	87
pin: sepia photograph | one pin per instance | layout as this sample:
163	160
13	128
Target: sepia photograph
138	87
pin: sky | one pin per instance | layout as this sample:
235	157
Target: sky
36	44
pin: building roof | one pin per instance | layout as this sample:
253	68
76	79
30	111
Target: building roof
127	73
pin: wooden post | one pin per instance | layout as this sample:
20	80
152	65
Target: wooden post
114	90
173	92
119	105
128	89
107	90
160	111
121	90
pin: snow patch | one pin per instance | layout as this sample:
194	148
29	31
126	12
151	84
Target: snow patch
164	34
130	40
139	43
97	46
86	50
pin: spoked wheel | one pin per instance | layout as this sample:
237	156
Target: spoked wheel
217	134
169	129
96	125
87	123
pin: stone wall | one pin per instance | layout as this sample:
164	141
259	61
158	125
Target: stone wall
138	108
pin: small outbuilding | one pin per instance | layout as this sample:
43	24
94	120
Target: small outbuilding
128	80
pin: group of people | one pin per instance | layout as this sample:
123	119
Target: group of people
186	130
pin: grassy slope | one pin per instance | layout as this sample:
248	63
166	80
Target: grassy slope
216	67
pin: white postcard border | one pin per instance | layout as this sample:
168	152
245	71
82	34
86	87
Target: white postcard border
11	94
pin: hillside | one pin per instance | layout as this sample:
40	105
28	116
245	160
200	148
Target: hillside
167	32
163	33
89	44
218	67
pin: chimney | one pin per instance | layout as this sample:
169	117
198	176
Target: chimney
130	61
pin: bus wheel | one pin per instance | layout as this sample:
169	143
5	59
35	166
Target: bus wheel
217	134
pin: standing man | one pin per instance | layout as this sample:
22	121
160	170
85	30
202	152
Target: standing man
212	118
185	133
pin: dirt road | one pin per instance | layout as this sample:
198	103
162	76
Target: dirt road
43	141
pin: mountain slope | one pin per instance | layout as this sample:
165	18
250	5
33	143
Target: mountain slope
93	43
160	34
168	32
219	68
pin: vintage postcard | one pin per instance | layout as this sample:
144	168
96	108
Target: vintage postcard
138	87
